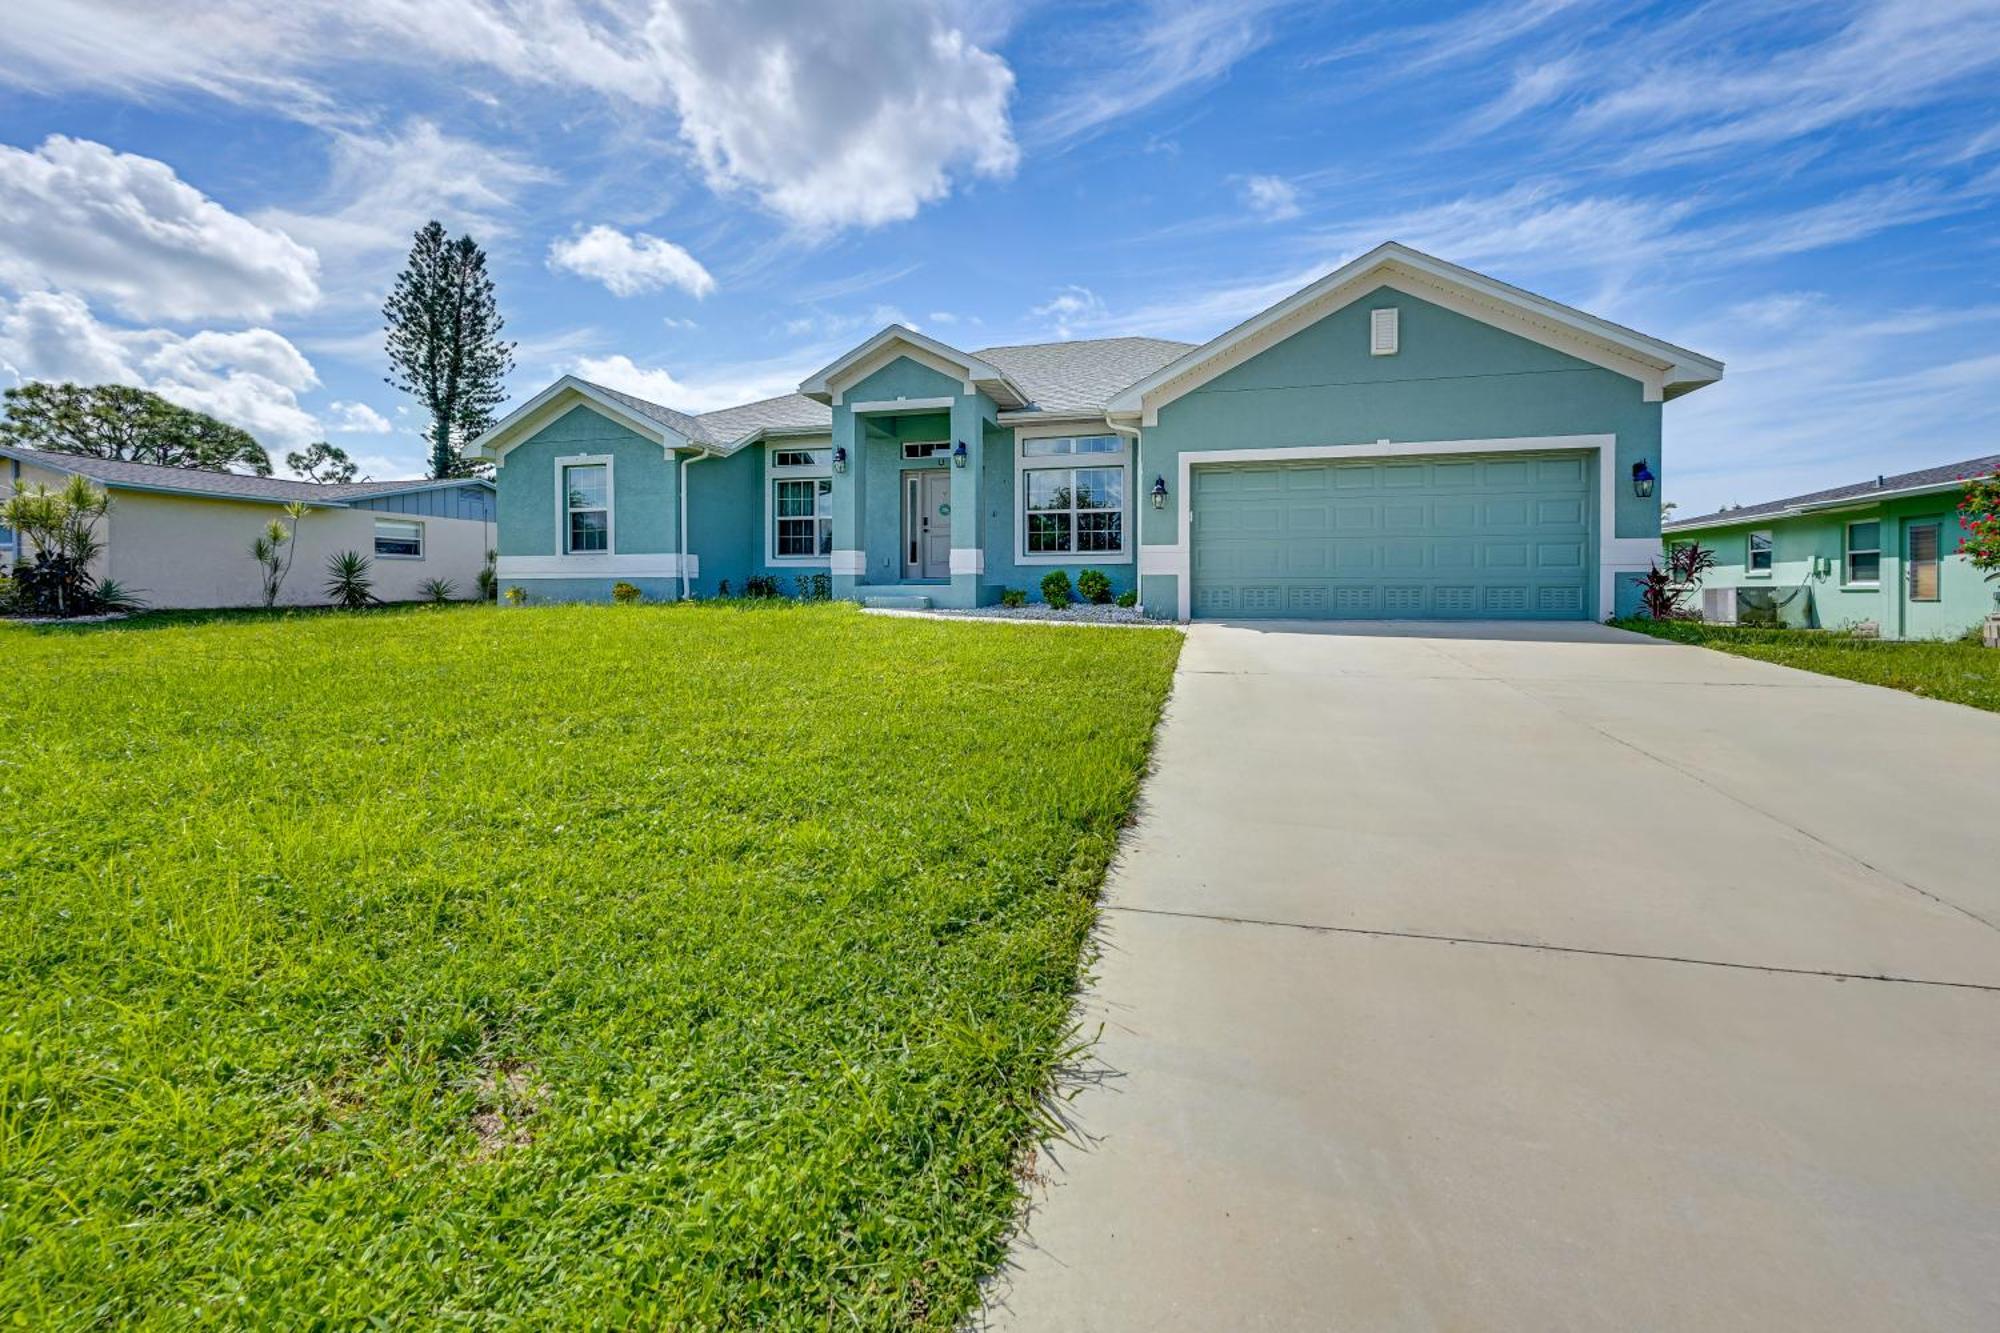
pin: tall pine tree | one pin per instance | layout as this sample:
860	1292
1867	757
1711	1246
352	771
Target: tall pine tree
444	344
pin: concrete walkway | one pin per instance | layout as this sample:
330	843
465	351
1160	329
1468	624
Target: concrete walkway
1485	977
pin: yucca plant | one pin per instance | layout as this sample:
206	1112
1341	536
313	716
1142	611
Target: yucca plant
349	582
438	591
274	548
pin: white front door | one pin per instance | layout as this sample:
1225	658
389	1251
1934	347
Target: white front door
927	524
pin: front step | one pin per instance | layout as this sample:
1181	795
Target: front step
897	602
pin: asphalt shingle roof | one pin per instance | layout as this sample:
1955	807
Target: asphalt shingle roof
786	412
200	481
1081	376
1902	481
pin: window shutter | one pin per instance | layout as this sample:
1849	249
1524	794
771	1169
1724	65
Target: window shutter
1382	332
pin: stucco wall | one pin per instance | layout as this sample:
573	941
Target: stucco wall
644	487
186	552
1453	378
1809	551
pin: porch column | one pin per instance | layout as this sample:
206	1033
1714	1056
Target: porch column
849	561
969	415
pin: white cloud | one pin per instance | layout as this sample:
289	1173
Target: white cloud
357	419
1167	48
77	216
250	379
381	188
772	96
728	386
1071	308
629	265
1272	198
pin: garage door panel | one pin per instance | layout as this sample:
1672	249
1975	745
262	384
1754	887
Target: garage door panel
1431	538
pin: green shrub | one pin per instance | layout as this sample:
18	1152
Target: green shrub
1013	597
1129	598
761	585
489	577
7	595
438	591
349	582
623	593
815	587
1093	586
1056	590
517	595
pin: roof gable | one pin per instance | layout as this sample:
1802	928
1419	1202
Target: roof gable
1663	369
666	427
830	382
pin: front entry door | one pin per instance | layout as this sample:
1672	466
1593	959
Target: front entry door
927	524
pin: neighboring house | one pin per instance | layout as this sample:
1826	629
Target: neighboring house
180	537
1882	553
1402	438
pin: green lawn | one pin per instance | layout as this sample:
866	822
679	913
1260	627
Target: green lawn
567	966
1962	672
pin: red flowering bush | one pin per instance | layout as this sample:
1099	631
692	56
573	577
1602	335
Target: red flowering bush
1979	511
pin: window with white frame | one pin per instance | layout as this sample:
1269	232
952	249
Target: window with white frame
801	500
1864	552
1072	497
399	539
1758	559
586	508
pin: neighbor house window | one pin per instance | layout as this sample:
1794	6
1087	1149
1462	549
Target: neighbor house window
587	507
1925	561
1760	553
1864	552
399	538
1072	490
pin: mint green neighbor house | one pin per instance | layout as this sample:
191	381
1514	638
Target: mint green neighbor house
1403	438
1881	555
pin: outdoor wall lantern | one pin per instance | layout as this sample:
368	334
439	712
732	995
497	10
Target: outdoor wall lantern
1642	480
958	455
840	459
1159	492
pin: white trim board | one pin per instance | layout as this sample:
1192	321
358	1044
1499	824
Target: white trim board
1616	556
666	565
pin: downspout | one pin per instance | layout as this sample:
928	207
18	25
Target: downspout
686	463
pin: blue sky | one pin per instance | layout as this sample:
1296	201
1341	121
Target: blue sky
704	202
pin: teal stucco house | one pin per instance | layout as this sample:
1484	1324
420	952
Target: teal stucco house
1401	438
1881	555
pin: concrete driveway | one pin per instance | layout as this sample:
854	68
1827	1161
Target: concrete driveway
1489	977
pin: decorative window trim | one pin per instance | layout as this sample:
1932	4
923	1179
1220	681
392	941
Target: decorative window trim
1751	568
423	547
1848	550
1024	464
610	505
819	470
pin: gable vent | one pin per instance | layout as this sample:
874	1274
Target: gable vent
1382	332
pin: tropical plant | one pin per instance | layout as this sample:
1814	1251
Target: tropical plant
517	595
118	421
1129	598
113	596
438	591
1093	585
322	462
1979	514
489	577
623	593
1664	593
761	585
444	344
349	580
815	587
9	594
61	527
1013	597
274	548
1056	590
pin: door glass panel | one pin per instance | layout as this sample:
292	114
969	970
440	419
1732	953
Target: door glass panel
1924	562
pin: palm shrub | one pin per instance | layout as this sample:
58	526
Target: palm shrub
61	526
1093	585
1056	590
438	591
349	581
273	548
489	577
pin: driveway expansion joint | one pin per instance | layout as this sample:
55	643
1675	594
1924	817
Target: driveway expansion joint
1378	932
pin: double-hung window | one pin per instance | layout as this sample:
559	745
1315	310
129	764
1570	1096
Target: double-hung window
399	539
1759	557
801	501
1072	495
586	508
1864	553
